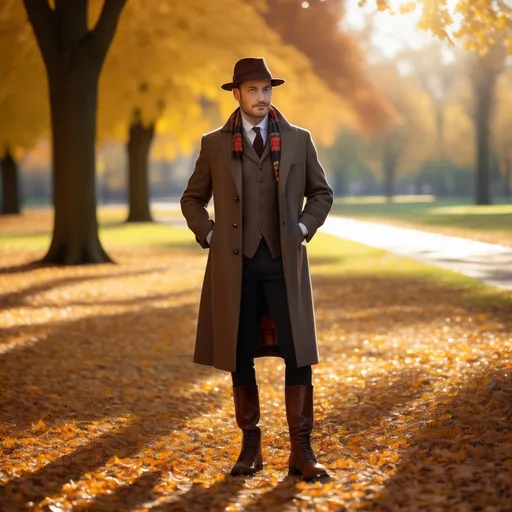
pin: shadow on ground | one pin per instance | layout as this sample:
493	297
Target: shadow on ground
92	369
462	459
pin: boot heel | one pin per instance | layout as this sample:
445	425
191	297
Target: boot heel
294	471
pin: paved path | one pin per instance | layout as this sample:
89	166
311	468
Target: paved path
489	263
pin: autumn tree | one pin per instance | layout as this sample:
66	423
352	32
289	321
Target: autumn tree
404	145
474	25
23	105
174	62
483	28
502	130
313	28
443	76
73	55
484	70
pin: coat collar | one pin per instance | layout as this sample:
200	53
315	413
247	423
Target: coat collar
288	144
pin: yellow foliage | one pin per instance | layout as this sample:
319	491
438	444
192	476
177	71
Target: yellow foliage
23	91
169	58
475	24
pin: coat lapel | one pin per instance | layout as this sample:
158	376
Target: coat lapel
266	150
235	165
289	145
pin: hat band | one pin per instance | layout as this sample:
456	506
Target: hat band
254	76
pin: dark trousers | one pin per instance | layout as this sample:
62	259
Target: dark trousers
264	290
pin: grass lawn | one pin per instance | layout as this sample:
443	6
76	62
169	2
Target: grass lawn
32	230
101	408
486	223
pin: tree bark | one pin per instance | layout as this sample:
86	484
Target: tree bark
11	204
139	145
73	57
73	100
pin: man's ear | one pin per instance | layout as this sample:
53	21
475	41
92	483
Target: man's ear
236	93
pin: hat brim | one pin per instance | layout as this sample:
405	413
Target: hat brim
276	82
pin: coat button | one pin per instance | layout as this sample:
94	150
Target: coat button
236	199
235	225
235	252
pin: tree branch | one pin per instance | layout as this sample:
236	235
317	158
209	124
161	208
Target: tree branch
103	32
42	19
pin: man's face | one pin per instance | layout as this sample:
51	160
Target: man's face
255	98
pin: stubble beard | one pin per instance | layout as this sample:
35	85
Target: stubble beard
254	114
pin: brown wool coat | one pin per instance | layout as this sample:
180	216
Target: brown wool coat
217	173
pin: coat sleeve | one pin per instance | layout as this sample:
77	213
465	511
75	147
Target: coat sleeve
318	193
197	195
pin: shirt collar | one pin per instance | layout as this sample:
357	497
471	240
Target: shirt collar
249	126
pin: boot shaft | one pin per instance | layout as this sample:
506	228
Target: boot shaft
247	414
247	406
299	408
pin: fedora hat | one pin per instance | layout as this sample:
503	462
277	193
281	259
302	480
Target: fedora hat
251	69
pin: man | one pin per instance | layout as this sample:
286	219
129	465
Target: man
259	168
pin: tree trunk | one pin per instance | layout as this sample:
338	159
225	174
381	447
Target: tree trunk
73	101
389	165
10	186
73	56
506	178
483	139
139	144
484	73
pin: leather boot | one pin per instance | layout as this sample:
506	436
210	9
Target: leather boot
299	413
247	413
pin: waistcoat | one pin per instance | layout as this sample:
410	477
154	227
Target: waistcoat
260	215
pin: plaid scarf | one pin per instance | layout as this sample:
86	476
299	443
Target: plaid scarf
236	128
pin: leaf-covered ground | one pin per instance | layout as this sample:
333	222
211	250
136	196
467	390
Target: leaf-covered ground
101	408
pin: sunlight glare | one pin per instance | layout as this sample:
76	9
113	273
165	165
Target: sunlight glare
393	30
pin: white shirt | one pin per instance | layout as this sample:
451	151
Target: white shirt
251	134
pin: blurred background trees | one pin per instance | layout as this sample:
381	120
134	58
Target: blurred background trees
106	101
